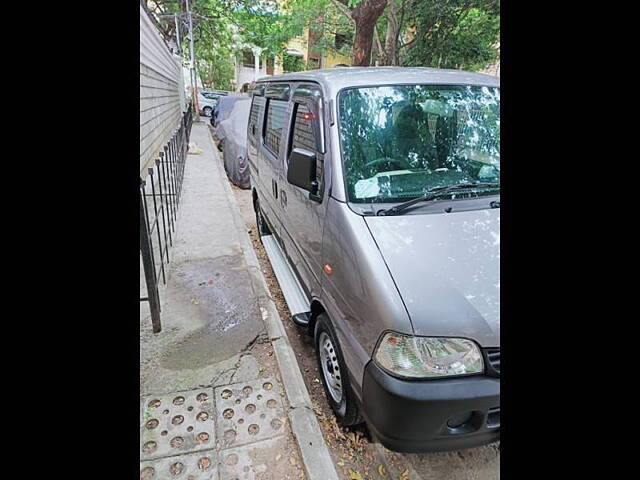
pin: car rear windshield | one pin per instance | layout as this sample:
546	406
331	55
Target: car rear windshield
398	141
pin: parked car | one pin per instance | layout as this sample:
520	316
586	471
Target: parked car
377	195
232	135
223	108
208	100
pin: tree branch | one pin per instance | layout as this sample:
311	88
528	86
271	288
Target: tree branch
409	42
343	9
381	51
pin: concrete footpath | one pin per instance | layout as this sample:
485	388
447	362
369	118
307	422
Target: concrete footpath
221	394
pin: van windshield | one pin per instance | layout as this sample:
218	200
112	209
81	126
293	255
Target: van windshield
399	141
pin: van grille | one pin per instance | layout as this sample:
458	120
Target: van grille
492	356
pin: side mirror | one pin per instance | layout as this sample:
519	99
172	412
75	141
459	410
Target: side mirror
302	170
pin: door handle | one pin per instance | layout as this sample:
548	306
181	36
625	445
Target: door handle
283	198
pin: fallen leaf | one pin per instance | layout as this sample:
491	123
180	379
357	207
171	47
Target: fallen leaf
382	471
405	474
278	457
354	475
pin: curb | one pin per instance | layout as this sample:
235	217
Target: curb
304	424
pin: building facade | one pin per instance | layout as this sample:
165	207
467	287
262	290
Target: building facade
301	53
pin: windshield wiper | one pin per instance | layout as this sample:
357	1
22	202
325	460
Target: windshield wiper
434	193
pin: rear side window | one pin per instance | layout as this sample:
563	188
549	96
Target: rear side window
276	118
255	115
303	135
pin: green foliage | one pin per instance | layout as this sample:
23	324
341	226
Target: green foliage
261	24
439	33
322	13
292	63
454	34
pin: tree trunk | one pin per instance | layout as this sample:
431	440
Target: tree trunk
391	39
377	51
365	16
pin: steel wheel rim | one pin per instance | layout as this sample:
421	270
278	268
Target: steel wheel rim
330	367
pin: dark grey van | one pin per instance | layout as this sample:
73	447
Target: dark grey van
377	198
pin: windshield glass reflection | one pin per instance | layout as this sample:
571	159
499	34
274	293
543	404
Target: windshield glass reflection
399	141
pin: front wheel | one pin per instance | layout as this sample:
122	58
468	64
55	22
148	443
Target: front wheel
207	111
334	373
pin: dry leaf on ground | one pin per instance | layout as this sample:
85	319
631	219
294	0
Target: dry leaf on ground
354	475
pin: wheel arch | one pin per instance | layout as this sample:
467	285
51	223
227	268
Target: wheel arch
316	309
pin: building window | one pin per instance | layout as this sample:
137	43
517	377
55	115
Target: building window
248	59
340	41
276	116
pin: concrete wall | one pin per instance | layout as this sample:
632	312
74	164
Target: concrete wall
247	74
161	90
333	58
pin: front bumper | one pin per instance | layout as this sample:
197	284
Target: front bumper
431	415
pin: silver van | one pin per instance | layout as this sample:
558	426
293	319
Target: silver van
377	198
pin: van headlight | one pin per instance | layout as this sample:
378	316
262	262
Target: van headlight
428	357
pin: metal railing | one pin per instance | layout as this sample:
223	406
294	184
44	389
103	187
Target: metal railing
159	199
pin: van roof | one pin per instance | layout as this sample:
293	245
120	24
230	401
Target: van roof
337	78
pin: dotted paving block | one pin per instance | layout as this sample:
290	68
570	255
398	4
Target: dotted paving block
266	460
177	423
193	466
248	412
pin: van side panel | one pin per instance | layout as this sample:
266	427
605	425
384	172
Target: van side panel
303	218
359	296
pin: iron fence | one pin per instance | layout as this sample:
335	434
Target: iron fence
159	199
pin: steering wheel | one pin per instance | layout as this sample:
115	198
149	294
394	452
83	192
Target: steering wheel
400	163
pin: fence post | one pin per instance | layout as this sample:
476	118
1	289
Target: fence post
149	271
170	173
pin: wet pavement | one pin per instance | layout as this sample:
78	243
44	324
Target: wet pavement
219	290
212	398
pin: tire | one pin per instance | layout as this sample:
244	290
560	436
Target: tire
337	387
207	111
261	224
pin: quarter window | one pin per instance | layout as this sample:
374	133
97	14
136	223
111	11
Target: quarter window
276	117
256	113
303	136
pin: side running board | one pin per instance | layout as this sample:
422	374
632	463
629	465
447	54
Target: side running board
294	295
